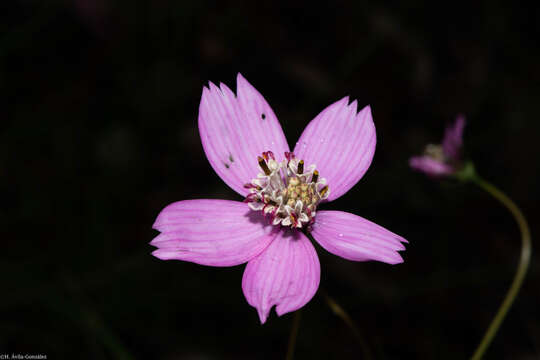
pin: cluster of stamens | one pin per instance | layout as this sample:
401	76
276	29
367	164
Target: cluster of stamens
435	152
286	191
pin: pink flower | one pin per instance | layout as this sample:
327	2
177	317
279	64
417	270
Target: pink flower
245	145
445	159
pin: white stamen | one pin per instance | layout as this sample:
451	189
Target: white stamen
286	192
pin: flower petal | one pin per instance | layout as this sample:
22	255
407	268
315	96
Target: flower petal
235	129
355	238
211	232
341	142
453	139
285	274
430	166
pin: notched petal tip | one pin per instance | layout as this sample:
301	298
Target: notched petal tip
397	260
241	82
164	254
225	90
163	215
341	141
239	77
210	232
263	316
355	238
282	310
286	274
366	111
354	106
230	128
402	239
214	88
155	241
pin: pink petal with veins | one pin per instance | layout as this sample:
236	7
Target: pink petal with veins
285	274
355	238
211	232
341	142
235	129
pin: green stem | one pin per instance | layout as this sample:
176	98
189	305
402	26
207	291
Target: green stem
294	334
92	320
521	269
339	311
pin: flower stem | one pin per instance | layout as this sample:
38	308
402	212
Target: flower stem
339	311
521	269
294	334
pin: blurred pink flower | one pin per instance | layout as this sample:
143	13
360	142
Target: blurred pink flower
240	135
444	159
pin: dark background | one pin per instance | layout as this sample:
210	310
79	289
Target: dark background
99	133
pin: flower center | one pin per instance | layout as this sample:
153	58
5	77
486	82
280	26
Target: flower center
287	191
435	152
